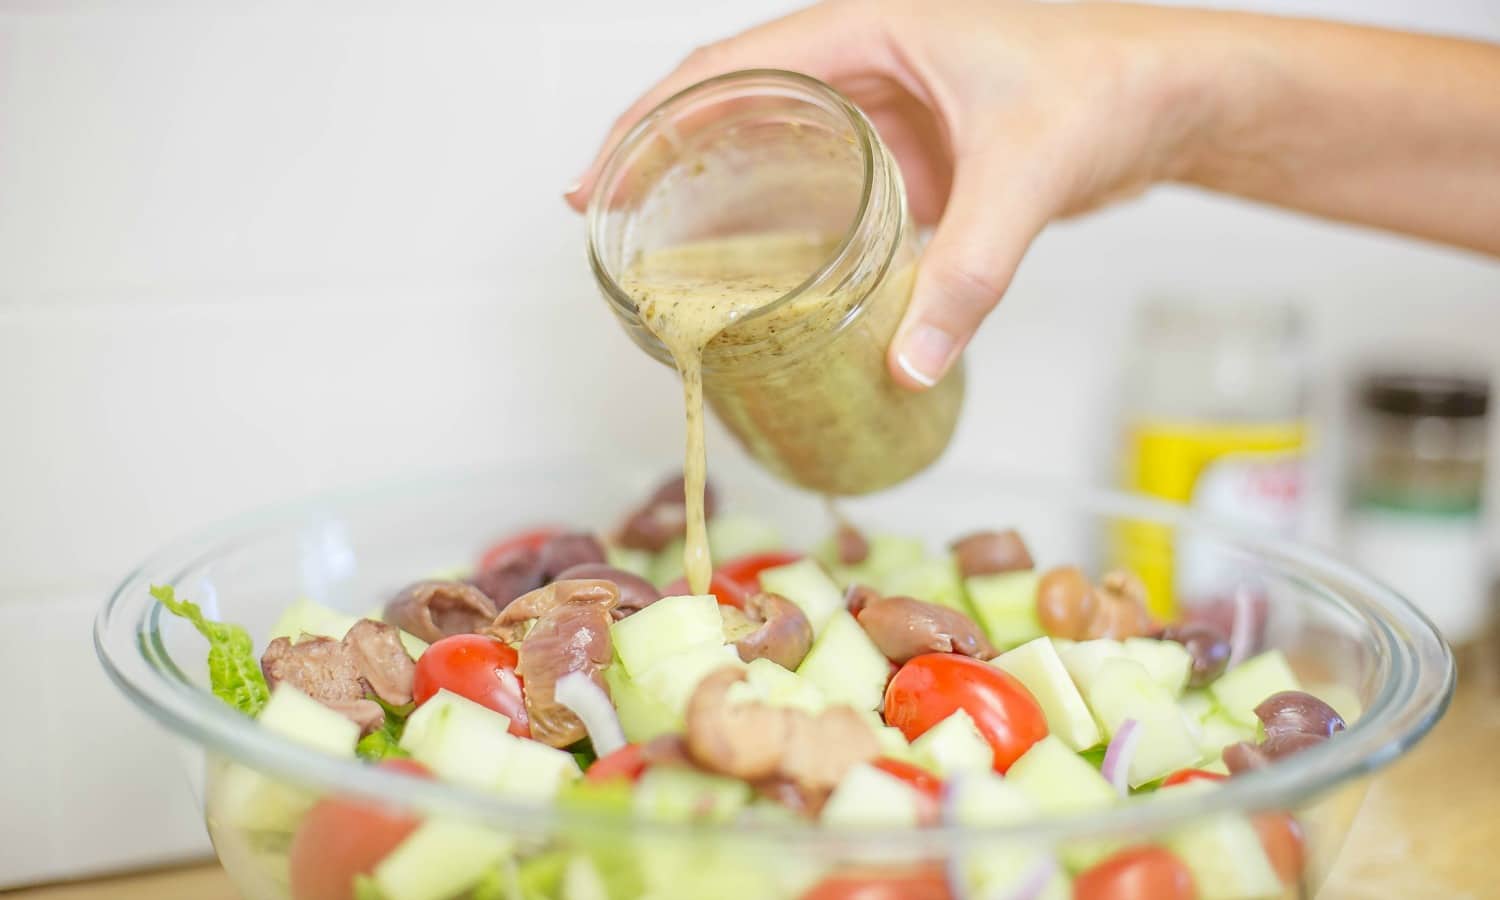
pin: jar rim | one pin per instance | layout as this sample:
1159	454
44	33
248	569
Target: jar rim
865	139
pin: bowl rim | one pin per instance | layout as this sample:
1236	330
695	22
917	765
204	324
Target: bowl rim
1420	674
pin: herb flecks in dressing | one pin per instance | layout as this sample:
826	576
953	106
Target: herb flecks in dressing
686	296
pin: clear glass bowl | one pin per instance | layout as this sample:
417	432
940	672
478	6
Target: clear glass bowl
352	551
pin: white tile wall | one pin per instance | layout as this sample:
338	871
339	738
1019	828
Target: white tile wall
248	252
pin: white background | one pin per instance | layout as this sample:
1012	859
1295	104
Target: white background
253	251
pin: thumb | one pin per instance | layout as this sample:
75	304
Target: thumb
990	220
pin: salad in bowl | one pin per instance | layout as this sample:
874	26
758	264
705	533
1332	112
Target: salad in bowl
860	706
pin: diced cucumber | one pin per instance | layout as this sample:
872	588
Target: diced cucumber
679	794
888	553
1084	658
1005	604
870	798
1037	665
1003	870
1219	731
731	536
642	717
535	771
1197	703
581	880
427	720
846	666
934	580
1167	661
666	566
636	562
954	745
668	626
776	686
672	679
894	744
307	617
1059	781
298	717
1242	688
987	800
1227	859
805	584
1343	700
438	861
460	741
251	801
1122	689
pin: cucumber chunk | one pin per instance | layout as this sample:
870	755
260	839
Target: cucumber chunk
666	566
1060	781
1167	661
298	717
1083	659
636	562
668	626
1242	688
954	745
677	794
775	686
438	861
460	741
935	580
805	584
642	716
846	666
1037	665
731	536
1122	689
672	679
535	771
1227	860
1005	604
870	798
888	553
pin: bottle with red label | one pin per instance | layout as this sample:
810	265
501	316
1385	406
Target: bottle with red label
1215	416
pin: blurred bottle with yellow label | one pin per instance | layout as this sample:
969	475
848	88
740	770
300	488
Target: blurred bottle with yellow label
1215	417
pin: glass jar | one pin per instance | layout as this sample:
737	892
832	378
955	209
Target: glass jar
1417	477
1215	416
746	160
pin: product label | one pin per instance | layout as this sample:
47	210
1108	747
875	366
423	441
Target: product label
1251	475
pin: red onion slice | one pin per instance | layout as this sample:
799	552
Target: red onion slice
1117	756
591	705
1240	629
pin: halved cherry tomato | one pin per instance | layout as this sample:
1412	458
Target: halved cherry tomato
1143	873
927	785
1183	776
627	762
930	687
479	668
923	882
343	837
1281	837
734	581
531	539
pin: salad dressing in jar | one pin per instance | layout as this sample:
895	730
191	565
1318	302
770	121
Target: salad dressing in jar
752	231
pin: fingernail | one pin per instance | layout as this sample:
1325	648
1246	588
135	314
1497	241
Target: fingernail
924	354
573	188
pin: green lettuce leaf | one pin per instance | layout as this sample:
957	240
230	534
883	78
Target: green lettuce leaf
233	670
384	742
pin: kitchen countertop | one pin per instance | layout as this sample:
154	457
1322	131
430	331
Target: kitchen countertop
1428	828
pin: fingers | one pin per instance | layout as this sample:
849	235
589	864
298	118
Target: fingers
993	214
828	42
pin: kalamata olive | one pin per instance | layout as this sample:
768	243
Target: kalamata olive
1208	647
1120	608
1298	712
1065	602
516	572
663	517
672	492
1278	746
782	634
433	610
903	627
991	552
568	550
1244	756
852	547
636	593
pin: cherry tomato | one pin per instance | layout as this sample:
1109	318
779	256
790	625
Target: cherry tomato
1142	873
930	687
479	668
626	762
531	539
1281	837
925	882
927	785
1183	776
342	837
734	581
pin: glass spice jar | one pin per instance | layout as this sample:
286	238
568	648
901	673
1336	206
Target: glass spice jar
772	181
